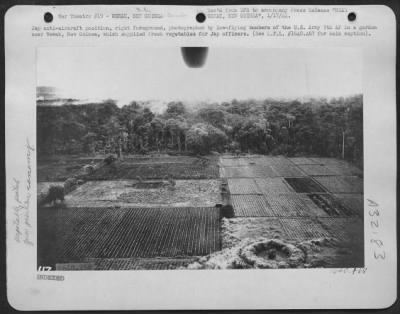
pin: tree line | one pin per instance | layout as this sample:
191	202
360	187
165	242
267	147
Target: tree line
332	128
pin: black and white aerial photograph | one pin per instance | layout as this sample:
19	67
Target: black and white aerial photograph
190	158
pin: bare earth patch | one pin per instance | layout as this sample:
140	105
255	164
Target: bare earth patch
321	242
264	253
185	193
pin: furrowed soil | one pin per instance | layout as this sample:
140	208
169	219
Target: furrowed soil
163	212
82	235
292	208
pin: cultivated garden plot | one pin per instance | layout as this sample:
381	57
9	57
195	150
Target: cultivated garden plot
235	172
354	202
251	206
330	205
270	161
303	229
273	185
198	168
303	161
284	168
305	185
248	172
262	172
288	171
317	170
235	162
145	220
76	234
293	205
185	193
344	169
243	186
340	167
342	184
161	263
158	159
350	232
347	229
68	235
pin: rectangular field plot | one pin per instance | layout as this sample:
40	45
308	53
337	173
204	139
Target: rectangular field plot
292	205
273	185
139	263
106	191
288	171
197	169
68	235
235	172
262	171
349	229
248	172
303	228
260	161
329	205
235	162
329	161
243	186
353	202
230	162
303	161
71	235
342	184
251	206
345	169
317	170
167	232
340	167
270	161
158	159
185	193
304	185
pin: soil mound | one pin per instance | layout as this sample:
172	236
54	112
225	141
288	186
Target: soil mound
275	253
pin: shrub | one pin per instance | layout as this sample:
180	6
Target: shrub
88	168
110	159
70	184
55	193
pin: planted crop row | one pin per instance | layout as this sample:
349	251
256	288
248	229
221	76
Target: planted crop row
243	186
140	263
303	228
273	185
292	205
251	206
70	235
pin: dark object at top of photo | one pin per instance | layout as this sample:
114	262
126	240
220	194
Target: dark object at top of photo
194	57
